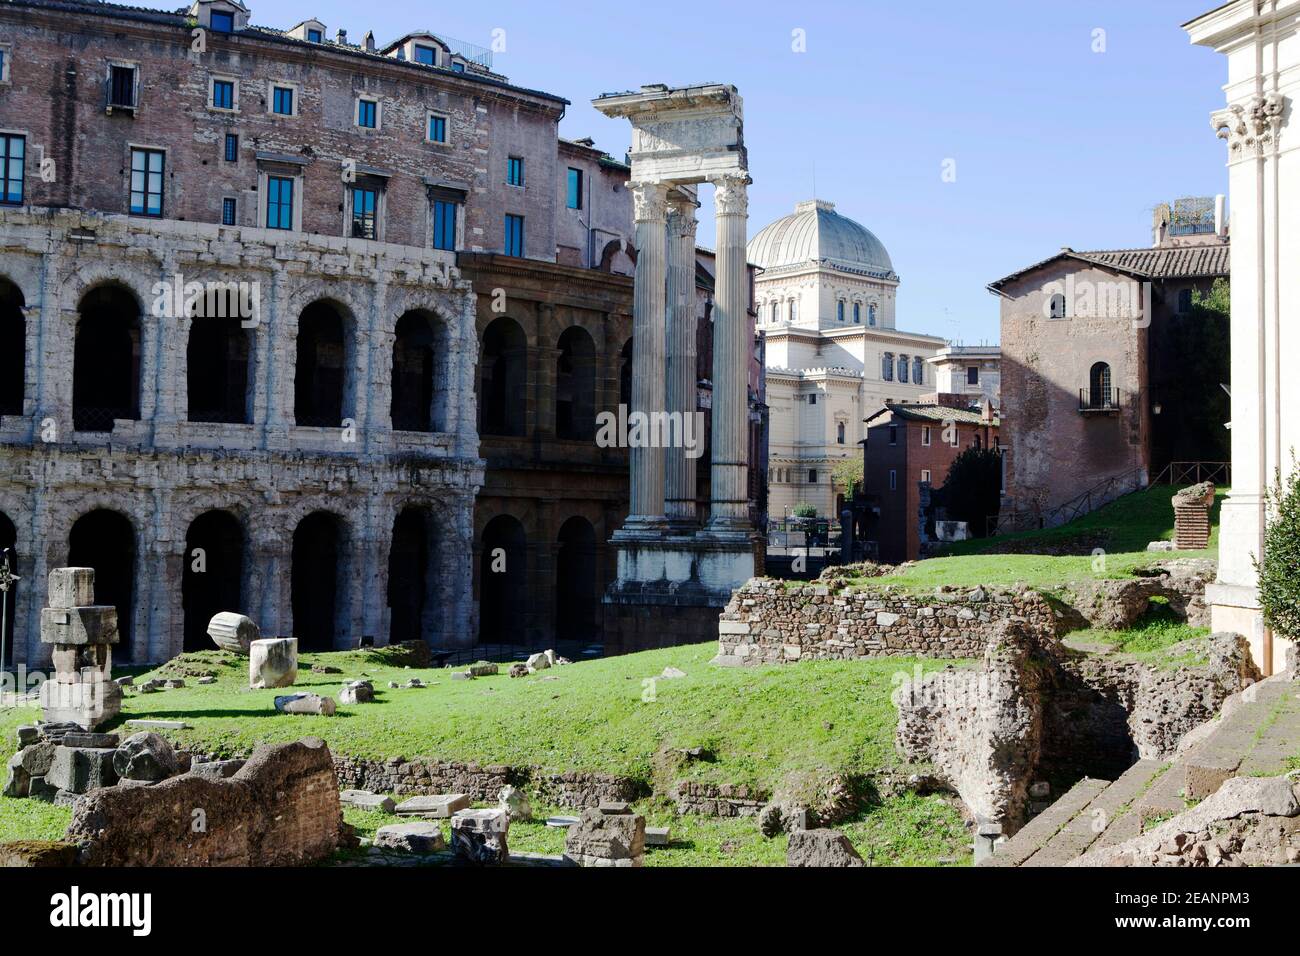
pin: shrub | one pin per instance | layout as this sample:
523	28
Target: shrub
804	510
972	492
1279	568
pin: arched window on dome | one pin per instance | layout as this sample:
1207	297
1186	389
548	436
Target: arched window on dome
857	313
871	314
902	368
887	367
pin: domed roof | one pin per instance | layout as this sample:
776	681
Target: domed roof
816	232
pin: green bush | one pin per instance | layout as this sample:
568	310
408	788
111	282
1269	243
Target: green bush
972	492
804	510
1279	569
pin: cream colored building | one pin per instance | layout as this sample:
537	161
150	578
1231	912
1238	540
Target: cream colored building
825	302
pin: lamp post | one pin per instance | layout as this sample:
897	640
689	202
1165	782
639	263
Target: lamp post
7	579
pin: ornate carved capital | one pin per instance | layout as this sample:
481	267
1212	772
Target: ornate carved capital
681	218
731	195
1251	127
649	201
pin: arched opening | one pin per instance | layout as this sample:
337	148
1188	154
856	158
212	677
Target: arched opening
315	579
576	600
106	359
503	579
625	374
13	348
502	399
1056	306
213	574
412	578
416	403
320	377
575	385
104	540
217	371
1099	392
9	545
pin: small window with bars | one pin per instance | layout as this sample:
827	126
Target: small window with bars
228	212
121	87
232	147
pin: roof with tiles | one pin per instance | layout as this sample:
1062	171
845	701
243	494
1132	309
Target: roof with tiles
1162	262
931	412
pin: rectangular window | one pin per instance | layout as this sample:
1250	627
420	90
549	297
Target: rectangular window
314	36
515	171
955	440
812	399
925	474
365	205
574	198
444	225
147	182
232	147
222	21
437	128
223	94
514	235
227	212
368	114
893	434
925	435
4	64
279	202
972	375
282	100
121	86
13	164
458	68
893	480
426	55
812	476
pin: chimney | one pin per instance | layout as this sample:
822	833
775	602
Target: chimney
342	37
369	41
1220	221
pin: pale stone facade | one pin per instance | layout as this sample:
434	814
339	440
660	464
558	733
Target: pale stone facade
1261	41
825	303
970	370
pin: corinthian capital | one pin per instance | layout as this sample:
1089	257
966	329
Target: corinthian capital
681	217
1251	127
731	197
649	201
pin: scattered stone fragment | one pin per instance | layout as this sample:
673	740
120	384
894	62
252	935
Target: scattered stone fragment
414	682
602	838
657	836
81	769
273	662
615	806
562	823
483	669
91	740
159	724
462	675
305	704
440	805
40	790
205	681
393	685
418	837
538	662
217	769
516	803
365	800
146	756
174	684
821	848
479	836
37	853
28	735
151	686
326	669
233	632
357	692
518	670
672	672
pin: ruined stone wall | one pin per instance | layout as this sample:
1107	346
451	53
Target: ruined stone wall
162	471
769	622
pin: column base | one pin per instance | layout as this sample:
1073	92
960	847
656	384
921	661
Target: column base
1235	608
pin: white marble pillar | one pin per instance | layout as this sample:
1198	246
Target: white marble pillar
646	511
732	338
681	388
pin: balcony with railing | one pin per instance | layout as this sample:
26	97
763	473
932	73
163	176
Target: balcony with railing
1095	400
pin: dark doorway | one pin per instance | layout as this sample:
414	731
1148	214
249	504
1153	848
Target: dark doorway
217	371
315	581
211	581
320	377
575	581
104	540
9	539
503	583
413	375
503	379
625	375
409	576
106	360
575	386
13	348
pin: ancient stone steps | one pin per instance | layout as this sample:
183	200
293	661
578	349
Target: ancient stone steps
1095	819
1234	739
1037	832
1278	742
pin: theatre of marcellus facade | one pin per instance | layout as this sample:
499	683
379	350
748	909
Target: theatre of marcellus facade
431	299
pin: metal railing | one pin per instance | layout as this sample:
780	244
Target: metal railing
1194	472
1102	493
1099	400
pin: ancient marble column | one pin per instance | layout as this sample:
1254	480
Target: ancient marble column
646	511
732	342
679	489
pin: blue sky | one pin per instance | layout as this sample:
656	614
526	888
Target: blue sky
1054	144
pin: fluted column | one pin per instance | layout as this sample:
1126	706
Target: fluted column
648	393
729	478
681	391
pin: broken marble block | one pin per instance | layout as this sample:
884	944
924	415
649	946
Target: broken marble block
483	669
273	662
606	839
217	769
440	805
418	837
233	632
479	836
81	769
516	803
146	756
305	704
357	692
365	800
80	636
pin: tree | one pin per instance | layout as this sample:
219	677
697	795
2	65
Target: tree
972	492
1279	568
846	475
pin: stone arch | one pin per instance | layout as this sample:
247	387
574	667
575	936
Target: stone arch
503	582
13	347
618	258
413	575
577	600
319	579
106	358
105	539
213	579
575	385
503	378
324	383
217	363
1099	387
419	387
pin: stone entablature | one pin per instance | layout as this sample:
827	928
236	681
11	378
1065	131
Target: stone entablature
768	622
